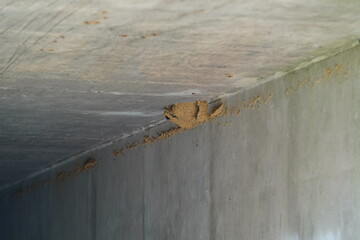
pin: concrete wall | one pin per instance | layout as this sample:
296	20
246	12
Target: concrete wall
286	167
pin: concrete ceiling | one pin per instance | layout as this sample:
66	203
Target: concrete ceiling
75	74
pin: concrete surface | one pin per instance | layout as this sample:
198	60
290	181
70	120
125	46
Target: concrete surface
286	168
83	86
76	74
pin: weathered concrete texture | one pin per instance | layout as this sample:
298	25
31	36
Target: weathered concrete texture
285	168
75	74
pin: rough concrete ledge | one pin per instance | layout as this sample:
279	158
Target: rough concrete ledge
282	164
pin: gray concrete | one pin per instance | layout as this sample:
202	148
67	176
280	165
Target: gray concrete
285	168
71	80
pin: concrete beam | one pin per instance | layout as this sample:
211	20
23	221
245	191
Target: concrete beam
284	167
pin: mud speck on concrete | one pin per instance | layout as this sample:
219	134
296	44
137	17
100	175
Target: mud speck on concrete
77	169
86	166
89	164
61	176
118	152
132	146
162	135
92	22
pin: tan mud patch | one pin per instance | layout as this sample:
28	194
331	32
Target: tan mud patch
190	114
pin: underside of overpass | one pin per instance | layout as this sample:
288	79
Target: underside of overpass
235	119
